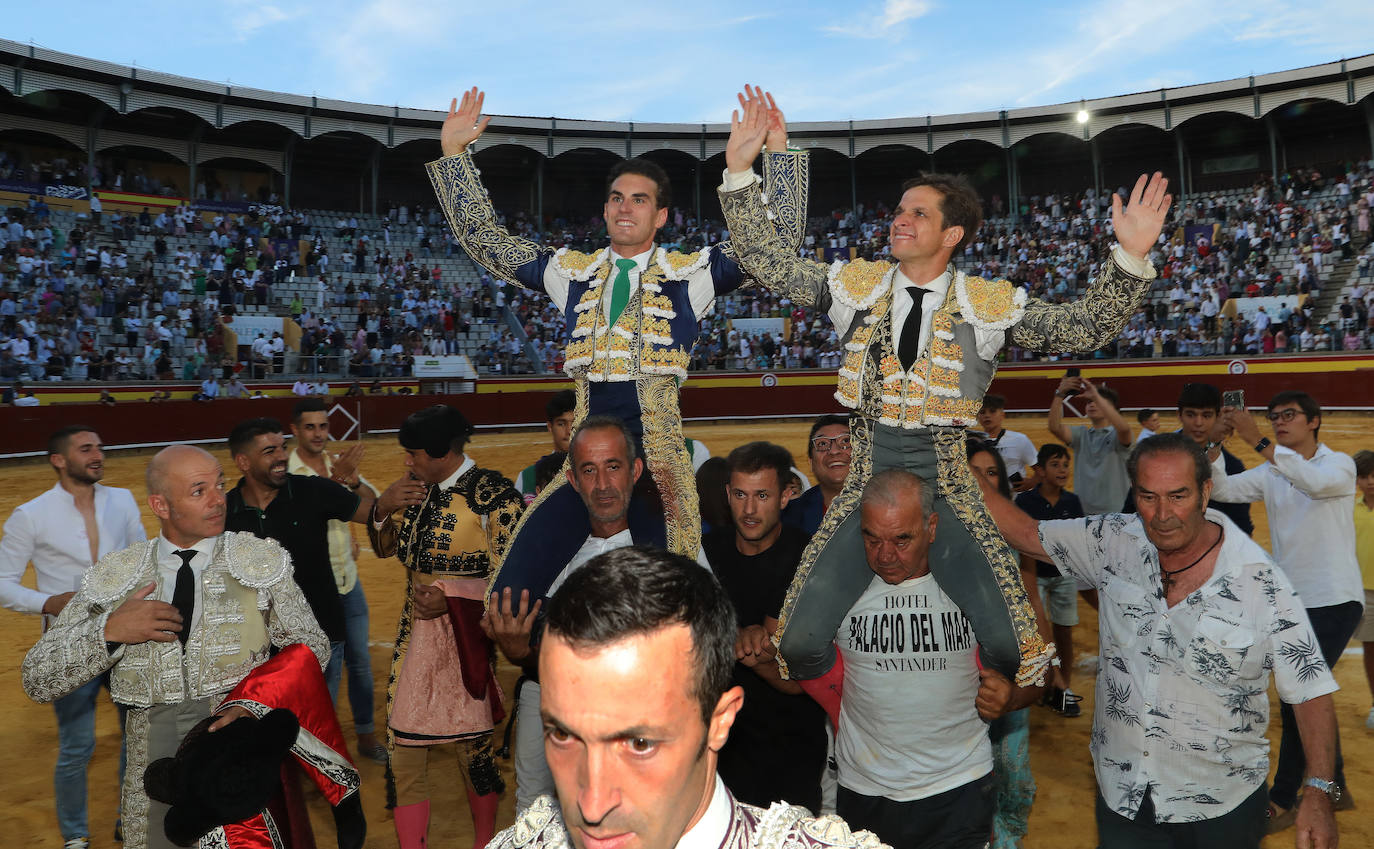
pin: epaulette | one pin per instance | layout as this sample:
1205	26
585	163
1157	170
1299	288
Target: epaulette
989	304
781	825
576	265
118	574
256	563
859	284
680	266
487	490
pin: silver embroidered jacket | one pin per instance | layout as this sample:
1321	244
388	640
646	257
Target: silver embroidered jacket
781	826
249	602
946	384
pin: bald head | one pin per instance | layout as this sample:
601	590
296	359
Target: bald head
895	487
186	493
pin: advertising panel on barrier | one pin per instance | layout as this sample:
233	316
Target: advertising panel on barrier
52	190
771	326
249	326
452	366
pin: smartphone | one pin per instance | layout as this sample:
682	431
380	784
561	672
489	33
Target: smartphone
1073	372
1234	398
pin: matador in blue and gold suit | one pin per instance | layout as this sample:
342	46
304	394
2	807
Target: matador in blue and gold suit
630	368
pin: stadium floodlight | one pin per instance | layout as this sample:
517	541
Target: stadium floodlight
1082	116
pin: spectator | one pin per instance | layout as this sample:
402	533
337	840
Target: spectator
1018	452
1100	448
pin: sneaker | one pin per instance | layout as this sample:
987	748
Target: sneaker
77	843
1068	705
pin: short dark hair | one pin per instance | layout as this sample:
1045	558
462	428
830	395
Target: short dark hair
634	591
824	421
644	168
563	401
1110	394
712	478
248	430
960	205
308	405
1171	443
1200	396
546	468
603	422
754	457
62	437
1145	414
992	401
1049	451
1364	463
1305	402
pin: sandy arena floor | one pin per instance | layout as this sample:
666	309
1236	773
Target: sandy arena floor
1063	813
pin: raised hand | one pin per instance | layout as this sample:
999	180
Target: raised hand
1138	226
345	469
777	126
748	130
464	123
143	620
402	493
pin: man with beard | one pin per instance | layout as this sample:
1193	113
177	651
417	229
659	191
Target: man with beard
310	457
63	532
776	751
828	449
294	510
602	470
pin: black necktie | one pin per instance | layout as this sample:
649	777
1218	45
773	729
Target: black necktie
910	339
184	595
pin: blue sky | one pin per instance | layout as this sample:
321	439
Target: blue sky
651	61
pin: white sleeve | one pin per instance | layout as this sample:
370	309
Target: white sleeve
1244	487
133	519
1074	547
1333	477
732	180
16	549
555	286
701	291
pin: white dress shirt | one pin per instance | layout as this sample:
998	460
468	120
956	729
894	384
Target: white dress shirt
51	533
701	289
709	832
169	563
591	548
1311	505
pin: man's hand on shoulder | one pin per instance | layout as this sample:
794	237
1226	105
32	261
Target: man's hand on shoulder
143	620
464	123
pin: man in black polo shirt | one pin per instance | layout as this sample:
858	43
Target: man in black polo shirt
295	511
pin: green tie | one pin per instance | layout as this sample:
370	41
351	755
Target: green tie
620	289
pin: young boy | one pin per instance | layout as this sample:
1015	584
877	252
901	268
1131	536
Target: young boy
1149	423
1364	550
1050	500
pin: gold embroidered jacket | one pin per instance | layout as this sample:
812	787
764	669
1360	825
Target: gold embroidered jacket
946	384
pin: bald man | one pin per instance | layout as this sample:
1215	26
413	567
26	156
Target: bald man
178	621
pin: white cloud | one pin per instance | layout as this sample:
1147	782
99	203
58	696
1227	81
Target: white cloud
883	23
246	19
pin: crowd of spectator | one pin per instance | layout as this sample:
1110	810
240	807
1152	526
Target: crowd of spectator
381	298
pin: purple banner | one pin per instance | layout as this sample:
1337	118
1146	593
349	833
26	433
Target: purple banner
51	190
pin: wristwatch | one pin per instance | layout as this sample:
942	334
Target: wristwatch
1330	788
1262	444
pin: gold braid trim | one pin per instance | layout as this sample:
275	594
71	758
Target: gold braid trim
767	257
1085	325
670	463
845	503
498	557
458	187
959	489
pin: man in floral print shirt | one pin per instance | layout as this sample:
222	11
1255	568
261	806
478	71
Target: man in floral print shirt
1194	616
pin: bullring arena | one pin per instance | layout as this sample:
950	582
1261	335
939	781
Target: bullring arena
348	161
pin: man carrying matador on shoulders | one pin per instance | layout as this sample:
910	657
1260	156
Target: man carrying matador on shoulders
921	341
631	312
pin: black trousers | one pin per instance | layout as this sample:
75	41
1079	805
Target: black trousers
960	818
1333	627
1241	828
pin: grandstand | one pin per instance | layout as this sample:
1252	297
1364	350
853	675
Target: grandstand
205	188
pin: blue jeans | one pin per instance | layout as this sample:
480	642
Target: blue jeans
353	651
75	745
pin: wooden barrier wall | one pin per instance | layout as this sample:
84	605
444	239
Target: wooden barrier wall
1336	381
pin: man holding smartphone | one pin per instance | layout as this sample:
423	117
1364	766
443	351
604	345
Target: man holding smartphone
1308	491
1100	448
